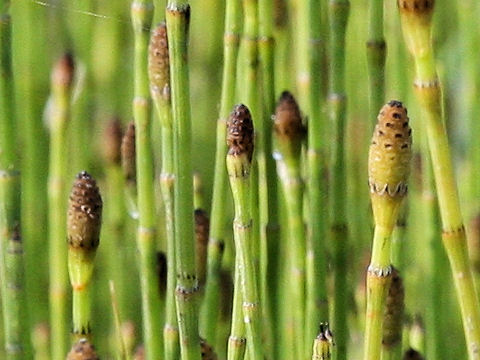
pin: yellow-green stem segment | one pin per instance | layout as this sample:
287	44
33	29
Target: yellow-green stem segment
141	13
178	20
216	244
11	246
416	25
61	95
339	12
239	167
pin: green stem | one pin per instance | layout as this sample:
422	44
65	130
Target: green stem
268	181
141	12
317	305
209	313
237	341
11	245
178	17
292	185
339	11
416	28
59	120
376	56
81	313
378	280
241	184
160	91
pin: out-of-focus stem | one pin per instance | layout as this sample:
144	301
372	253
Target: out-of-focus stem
141	13
209	311
178	20
62	78
339	11
416	20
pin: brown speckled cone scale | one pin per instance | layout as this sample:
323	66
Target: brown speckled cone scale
412	354
63	71
288	119
416	6
207	351
393	321
390	151
112	142
82	350
158	61
129	163
84	213
240	132
202	230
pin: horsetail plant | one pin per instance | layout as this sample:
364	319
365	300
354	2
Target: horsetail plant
114	233
202	229
239	167
316	183
12	264
82	350
269	225
289	133
237	341
141	13
216	244
323	343
393	320
61	88
416	19
376	56
83	234
159	73
388	170
337	102
178	21
129	167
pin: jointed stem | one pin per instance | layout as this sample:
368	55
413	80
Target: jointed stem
209	313
142	12
416	24
178	17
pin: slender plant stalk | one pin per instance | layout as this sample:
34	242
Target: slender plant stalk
83	234
317	217
376	56
239	165
237	341
289	132
141	12
282	46
159	71
62	78
178	18
269	225
339	11
388	170
322	345
115	227
416	26
34	148
437	261
209	311
12	265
